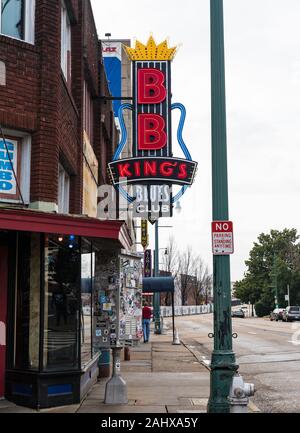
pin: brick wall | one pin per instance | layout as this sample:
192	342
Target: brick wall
19	98
37	100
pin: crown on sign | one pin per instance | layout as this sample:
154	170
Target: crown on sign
151	51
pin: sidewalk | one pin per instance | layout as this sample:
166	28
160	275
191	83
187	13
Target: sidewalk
161	378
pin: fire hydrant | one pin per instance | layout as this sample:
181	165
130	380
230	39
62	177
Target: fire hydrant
239	394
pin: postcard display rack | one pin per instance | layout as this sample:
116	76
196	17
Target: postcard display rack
106	303
130	299
118	298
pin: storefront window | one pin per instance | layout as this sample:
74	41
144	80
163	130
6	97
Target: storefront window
27	301
87	281
61	315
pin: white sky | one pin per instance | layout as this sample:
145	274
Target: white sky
262	43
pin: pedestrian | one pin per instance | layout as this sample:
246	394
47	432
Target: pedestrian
146	316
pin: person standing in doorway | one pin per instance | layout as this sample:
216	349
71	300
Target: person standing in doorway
146	316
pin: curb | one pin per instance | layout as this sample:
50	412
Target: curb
200	360
252	407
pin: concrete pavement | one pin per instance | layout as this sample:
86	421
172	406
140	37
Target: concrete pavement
268	354
160	377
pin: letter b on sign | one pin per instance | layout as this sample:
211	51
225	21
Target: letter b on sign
151	89
151	132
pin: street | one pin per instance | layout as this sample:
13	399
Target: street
264	351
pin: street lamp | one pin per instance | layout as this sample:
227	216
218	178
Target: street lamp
223	365
156	297
274	275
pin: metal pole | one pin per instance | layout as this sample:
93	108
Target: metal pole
156	298
275	279
223	365
288	292
173	316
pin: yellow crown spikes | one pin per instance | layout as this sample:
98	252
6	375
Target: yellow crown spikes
151	51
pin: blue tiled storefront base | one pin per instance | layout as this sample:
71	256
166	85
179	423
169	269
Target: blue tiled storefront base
44	390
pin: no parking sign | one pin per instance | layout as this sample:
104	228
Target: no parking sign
222	238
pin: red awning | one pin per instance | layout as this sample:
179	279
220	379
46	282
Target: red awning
44	222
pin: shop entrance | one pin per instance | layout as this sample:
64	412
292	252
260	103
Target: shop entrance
3	313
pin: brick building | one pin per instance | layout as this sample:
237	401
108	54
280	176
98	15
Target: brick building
56	138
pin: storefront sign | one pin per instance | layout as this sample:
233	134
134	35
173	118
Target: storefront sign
222	237
147	263
152	162
112	58
144	233
9	160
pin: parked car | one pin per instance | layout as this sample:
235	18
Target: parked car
291	313
238	313
276	314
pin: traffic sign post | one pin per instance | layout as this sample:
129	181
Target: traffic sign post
223	363
222	237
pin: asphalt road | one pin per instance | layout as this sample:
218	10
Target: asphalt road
267	353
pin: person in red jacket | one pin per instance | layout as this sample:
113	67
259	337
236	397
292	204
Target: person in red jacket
146	316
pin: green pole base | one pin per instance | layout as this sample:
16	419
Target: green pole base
223	367
157	327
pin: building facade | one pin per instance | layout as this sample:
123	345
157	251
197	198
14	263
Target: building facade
57	135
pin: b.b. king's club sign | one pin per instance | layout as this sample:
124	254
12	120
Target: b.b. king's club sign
152	169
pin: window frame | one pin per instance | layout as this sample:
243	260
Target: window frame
63	193
24	166
88	112
66	43
28	23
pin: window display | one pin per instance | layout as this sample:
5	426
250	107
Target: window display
62	288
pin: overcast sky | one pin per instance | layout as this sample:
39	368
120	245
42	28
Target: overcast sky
262	43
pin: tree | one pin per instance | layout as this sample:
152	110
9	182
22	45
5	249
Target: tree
274	262
191	272
203	281
185	271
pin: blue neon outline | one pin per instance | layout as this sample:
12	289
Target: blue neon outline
121	146
182	145
123	130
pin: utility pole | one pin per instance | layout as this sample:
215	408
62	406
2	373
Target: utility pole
156	297
223	365
274	275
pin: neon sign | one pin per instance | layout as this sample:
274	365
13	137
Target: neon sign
152	162
9	161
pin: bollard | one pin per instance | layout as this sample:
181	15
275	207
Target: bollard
126	353
104	363
239	394
116	388
176	338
